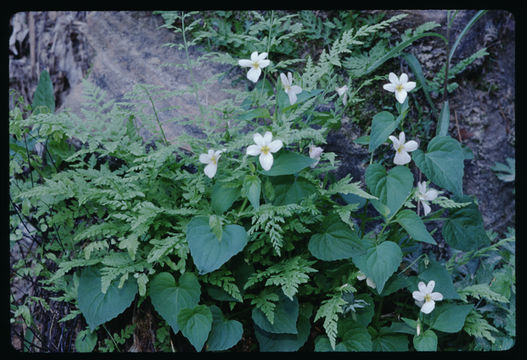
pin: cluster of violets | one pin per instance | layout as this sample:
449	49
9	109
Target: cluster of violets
264	146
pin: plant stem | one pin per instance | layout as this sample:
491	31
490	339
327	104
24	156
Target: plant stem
155	113
111	337
267	50
378	310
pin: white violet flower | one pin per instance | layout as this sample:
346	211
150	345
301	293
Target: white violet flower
399	85
425	298
256	64
343	93
264	147
211	159
425	195
314	153
369	282
402	149
290	89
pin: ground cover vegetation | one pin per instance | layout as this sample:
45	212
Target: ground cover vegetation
238	236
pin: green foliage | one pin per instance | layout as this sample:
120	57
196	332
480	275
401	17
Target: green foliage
195	324
97	306
44	97
505	171
208	251
247	257
392	188
329	310
288	275
442	163
168	297
284	319
224	333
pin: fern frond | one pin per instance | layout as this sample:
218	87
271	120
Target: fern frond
447	203
345	186
225	280
329	310
288	274
476	325
480	291
266	302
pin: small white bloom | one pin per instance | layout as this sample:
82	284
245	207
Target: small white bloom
264	147
314	153
400	86
343	93
290	89
425	298
425	195
361	276
256	64
211	159
402	149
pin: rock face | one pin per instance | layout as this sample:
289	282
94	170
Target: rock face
129	50
121	49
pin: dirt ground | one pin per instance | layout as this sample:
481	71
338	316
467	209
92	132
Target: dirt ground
482	107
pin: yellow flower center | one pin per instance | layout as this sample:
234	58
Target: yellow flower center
428	298
255	65
399	88
213	159
400	148
265	149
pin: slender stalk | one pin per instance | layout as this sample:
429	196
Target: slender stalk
378	310
267	50
155	113
111	337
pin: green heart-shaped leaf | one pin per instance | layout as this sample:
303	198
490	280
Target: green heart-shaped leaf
443	163
336	241
209	253
168	297
379	262
196	324
427	341
225	333
391	188
98	307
